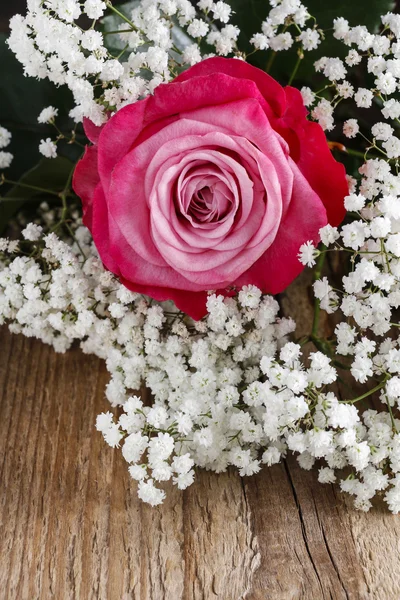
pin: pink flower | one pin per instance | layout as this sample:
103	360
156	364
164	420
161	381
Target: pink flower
211	184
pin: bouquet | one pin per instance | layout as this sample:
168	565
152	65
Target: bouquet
196	161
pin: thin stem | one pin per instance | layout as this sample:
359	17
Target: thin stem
4	199
355	152
375	389
63	195
270	61
296	67
30	187
121	15
392	417
117	32
76	241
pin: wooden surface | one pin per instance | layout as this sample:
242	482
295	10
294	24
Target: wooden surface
71	526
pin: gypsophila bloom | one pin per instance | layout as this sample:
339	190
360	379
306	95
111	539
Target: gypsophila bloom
48	115
351	128
32	232
5	159
94	8
354	202
307	254
363	98
308	96
310	39
5	137
382	131
48	148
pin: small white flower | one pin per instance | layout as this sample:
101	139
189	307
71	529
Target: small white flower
282	41
329	235
104	421
48	114
260	41
310	39
271	456
149	493
5	137
307	254
222	11
94	8
307	95
32	232
351	128
326	475
340	28
353	58
5	160
386	83
48	148
354	202
382	131
250	296
363	98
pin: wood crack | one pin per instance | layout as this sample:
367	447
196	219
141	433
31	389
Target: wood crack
303	525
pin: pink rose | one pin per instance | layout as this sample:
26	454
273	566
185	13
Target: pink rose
211	184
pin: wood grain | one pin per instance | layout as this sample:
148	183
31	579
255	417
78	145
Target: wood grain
71	526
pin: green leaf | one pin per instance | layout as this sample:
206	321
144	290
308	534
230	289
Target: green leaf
51	175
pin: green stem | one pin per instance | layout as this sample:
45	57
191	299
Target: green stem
355	152
296	67
71	233
392	417
375	389
270	61
63	195
121	15
117	32
4	199
122	52
30	187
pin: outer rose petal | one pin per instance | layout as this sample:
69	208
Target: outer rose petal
279	265
85	180
325	175
100	230
92	131
271	90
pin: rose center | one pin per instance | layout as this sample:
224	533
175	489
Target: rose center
210	203
205	197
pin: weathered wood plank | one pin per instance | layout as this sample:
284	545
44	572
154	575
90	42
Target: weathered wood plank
71	525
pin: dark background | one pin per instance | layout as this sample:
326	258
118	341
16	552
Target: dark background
8	8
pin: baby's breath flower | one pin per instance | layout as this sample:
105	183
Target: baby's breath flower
307	254
48	115
48	148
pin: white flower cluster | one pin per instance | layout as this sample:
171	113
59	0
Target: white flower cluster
275	34
381	55
50	44
227	390
5	157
